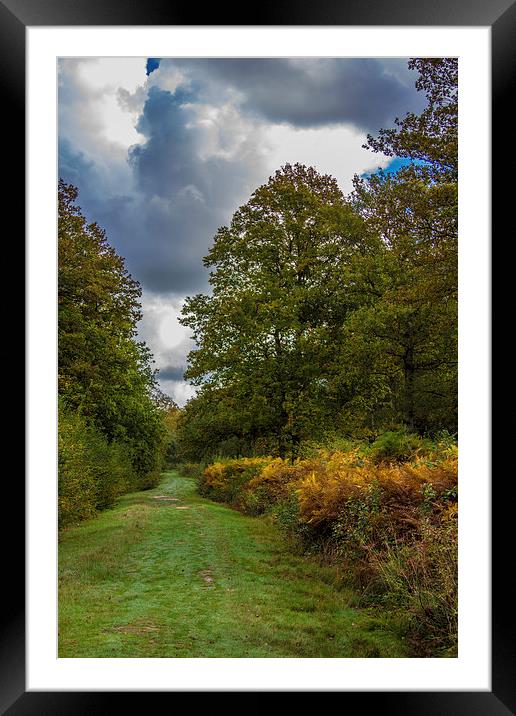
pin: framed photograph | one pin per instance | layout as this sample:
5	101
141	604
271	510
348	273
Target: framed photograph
100	72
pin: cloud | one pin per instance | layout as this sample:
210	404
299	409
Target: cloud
163	199
90	115
309	92
168	340
163	160
187	187
164	151
179	391
335	150
78	169
172	373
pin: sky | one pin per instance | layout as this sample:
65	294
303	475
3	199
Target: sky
164	150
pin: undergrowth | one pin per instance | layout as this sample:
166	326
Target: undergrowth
385	512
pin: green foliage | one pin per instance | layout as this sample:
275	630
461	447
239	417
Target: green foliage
208	427
98	311
407	324
431	136
398	446
191	469
170	416
105	375
401	343
331	316
92	473
226	481
421	578
265	334
286	514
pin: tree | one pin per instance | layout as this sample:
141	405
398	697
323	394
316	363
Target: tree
431	136
98	309
278	276
170	412
409	323
331	313
104	373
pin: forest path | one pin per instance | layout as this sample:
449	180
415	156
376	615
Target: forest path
167	573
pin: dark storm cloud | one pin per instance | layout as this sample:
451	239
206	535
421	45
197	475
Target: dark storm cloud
116	214
186	198
367	93
163	216
165	163
172	372
178	202
74	167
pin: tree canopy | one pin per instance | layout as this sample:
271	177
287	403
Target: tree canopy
104	373
264	334
329	313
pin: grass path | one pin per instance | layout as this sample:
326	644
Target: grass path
147	579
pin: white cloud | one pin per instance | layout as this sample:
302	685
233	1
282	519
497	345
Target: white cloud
104	73
169	341
97	107
179	391
168	77
160	324
331	150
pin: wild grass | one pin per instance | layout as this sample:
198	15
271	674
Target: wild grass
146	579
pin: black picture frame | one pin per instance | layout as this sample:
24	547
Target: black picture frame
15	17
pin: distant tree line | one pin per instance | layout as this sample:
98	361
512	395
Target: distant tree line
332	315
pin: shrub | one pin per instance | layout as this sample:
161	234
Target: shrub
92	473
286	517
113	470
390	525
191	469
398	491
77	483
274	483
224	481
398	446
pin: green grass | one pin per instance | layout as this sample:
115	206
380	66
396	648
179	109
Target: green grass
146	579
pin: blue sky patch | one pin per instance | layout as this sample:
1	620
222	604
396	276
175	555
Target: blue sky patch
152	64
394	165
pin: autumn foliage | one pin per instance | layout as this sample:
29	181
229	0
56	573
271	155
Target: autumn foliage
390	524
